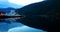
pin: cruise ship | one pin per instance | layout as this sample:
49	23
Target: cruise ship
4	16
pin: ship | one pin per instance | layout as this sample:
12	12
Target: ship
4	16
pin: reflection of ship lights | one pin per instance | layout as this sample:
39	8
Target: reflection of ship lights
9	19
4	17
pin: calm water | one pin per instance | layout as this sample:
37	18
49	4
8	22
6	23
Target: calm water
11	25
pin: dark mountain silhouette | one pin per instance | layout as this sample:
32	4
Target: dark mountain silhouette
43	15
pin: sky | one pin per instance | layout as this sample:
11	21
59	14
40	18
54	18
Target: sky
16	3
16	27
24	2
6	3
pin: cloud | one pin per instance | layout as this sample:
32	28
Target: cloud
24	2
5	4
24	29
6	26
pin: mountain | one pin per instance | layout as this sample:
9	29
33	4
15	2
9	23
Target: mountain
6	9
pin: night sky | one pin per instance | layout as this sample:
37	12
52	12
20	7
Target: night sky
14	27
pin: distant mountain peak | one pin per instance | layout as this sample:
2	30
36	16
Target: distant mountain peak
6	9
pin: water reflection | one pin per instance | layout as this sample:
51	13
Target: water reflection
5	25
